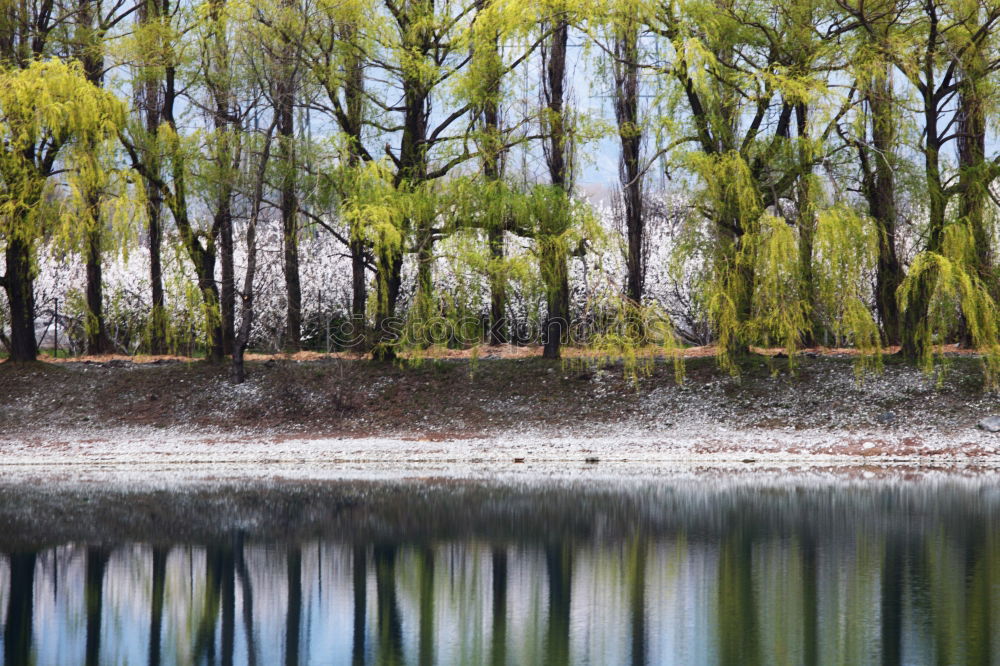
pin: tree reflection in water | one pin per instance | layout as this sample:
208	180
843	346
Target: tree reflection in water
732	573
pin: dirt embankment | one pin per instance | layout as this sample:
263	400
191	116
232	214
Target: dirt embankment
456	398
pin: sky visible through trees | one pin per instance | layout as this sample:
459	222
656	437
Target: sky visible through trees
631	176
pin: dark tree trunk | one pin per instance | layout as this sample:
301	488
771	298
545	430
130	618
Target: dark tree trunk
227	288
90	54
806	223
284	103
915	325
557	159
354	88
387	329
158	315
150	100
973	185
19	286
210	294
498	290
626	73
359	281
98	341
492	149
880	191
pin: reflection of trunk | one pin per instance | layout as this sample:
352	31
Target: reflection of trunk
228	634
246	589
20	609
637	601
204	640
810	599
559	567
426	646
737	606
359	576
498	651
21	298
156	605
626	74
390	630
97	562
980	593
892	602
293	615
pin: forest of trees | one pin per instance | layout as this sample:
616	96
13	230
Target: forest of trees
789	174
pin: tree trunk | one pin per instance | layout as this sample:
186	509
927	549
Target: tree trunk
626	74
98	341
806	223
387	329
19	286
150	102
91	55
498	289
557	159
284	102
880	190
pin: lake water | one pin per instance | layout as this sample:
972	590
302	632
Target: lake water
702	569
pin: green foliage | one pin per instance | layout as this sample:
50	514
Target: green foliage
950	286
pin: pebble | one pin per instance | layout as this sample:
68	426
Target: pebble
990	424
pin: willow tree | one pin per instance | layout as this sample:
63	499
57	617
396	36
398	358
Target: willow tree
743	76
151	91
875	138
49	112
333	58
196	74
933	45
422	52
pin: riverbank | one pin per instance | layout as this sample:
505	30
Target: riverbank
497	412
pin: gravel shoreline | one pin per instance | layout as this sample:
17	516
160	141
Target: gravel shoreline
353	417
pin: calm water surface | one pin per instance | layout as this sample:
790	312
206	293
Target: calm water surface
699	570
